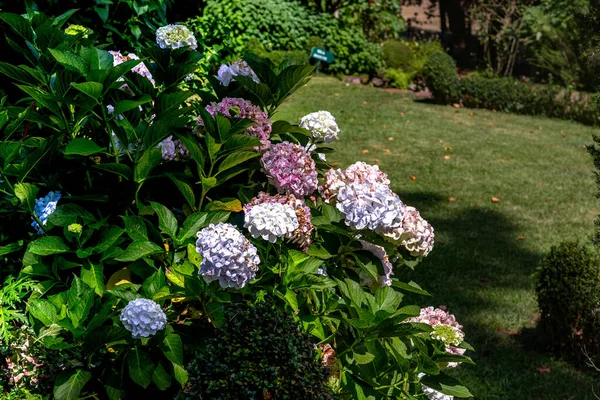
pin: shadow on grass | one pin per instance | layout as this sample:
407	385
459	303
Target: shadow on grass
483	272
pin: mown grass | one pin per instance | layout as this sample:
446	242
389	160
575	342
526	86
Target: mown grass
486	252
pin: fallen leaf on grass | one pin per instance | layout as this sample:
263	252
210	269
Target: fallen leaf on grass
412	177
337	94
448	148
390	138
544	369
451	198
364	102
441	141
374	121
539	128
384	126
446	157
402	114
495	199
365	151
408	121
386	150
521	237
456	105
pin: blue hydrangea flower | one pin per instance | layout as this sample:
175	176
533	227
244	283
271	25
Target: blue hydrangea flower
44	207
143	318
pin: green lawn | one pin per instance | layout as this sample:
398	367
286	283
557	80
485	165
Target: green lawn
485	252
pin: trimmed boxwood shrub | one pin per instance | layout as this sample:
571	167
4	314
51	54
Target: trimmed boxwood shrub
260	353
441	77
568	293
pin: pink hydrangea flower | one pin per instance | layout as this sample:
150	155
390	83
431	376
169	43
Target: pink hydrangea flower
290	169
244	109
359	172
139	69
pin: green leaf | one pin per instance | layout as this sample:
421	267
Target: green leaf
114	168
70	61
387	299
18	74
48	245
237	158
93	276
410	287
19	24
150	159
43	98
27	193
161	378
167	223
446	384
180	374
82	147
185	189
195	150
209	183
225	204
68	214
92	89
108	237
80	300
10	248
126	105
191	226
137	250
141	367
291	79
136	227
154	283
43	310
68	384
172	348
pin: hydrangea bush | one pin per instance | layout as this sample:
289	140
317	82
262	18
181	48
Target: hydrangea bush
143	206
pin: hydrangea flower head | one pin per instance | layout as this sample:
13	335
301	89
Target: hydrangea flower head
73	30
75	228
139	69
227	72
445	328
143	318
370	206
290	169
301	235
243	109
44	207
175	37
172	149
416	234
227	256
321	125
271	221
359	172
379	252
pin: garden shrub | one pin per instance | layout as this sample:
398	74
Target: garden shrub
568	293
141	201
254	46
286	26
260	352
398	78
507	94
398	54
442	78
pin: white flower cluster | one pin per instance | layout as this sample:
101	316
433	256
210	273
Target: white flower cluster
175	37
271	221
379	252
44	207
143	318
321	125
227	72
227	256
370	206
416	234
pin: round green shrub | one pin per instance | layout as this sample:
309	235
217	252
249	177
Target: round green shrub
398	78
442	78
568	294
398	54
259	353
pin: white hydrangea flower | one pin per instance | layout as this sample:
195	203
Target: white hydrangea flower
434	394
450	335
227	256
271	221
379	252
416	234
143	318
321	125
237	68
175	37
370	206
44	207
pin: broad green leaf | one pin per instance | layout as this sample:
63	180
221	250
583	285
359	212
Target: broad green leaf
19	24
69	213
238	141
80	300
17	73
180	374
150	159
237	158
141	367
167	223
70	61
48	245
161	378
93	275
194	149
172	348
68	384
185	189
137	250
233	205
191	226
92	89
108	237
447	385
82	147
209	183
114	168
387	299
43	310
27	193
10	248
410	287
154	283
126	105
136	227
43	98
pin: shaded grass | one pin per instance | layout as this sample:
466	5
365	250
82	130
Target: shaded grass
486	252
